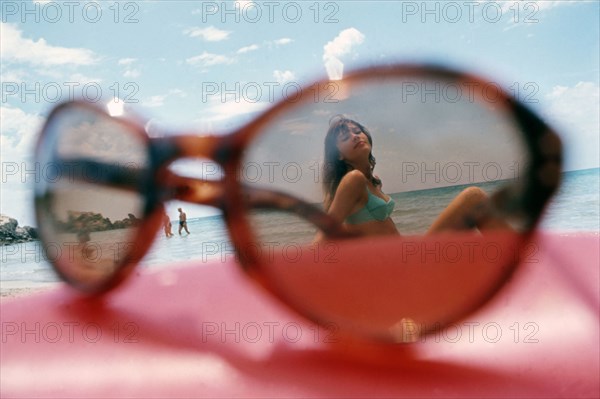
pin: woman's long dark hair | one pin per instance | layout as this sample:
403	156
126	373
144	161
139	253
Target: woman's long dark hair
335	168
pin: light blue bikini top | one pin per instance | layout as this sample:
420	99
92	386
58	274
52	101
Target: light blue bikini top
375	209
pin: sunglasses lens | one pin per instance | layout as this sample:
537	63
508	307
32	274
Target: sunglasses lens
441	163
88	203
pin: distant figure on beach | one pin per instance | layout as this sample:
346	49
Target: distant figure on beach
182	221
83	238
167	225
354	196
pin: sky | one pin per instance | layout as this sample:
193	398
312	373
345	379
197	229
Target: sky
212	66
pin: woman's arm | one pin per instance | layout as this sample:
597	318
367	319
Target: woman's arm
351	194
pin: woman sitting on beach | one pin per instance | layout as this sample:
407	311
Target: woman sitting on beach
354	196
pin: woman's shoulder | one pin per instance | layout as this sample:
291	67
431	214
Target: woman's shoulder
354	178
351	190
353	182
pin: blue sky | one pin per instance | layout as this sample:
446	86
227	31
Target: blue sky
163	57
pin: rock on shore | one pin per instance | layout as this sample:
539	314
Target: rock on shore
91	221
12	233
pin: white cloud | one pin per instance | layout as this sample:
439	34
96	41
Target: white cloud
283	41
132	73
247	49
130	70
522	13
210	34
525	8
127	61
530	6
219	110
82	79
283	76
13	76
18	132
208	59
159	100
15	48
241	4
574	111
339	47
270	44
155	101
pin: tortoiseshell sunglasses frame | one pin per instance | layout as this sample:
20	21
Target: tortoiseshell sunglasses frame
157	184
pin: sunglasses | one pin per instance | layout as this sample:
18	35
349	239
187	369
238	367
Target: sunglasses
386	205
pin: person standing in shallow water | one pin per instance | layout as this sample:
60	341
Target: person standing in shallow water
167	225
354	196
182	221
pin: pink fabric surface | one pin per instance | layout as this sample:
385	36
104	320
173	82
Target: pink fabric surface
193	330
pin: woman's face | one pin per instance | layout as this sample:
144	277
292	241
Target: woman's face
353	144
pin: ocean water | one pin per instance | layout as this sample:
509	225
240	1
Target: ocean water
576	208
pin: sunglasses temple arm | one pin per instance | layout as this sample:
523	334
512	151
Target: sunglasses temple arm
90	171
258	198
192	190
201	192
212	193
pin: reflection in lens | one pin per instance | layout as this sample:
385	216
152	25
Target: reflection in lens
434	157
426	149
90	207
